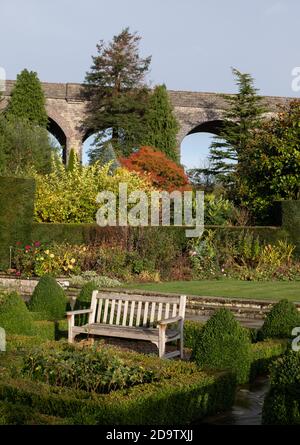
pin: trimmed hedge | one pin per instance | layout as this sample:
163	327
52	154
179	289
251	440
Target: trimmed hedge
280	321
289	218
14	315
282	403
49	299
16	214
17	414
263	355
182	394
93	234
178	400
224	344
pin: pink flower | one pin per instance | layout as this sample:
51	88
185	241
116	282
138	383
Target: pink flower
27	248
37	244
18	273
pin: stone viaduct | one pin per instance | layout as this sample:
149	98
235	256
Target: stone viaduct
195	111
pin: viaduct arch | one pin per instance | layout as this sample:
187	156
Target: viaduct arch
195	112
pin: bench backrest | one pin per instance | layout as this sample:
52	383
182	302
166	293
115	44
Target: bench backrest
134	310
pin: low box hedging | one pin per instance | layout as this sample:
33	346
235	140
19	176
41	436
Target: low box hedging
182	394
17	414
179	400
263	354
282	403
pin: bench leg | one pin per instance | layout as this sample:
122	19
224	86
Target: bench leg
181	339
162	341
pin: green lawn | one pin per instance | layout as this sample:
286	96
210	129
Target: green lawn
269	290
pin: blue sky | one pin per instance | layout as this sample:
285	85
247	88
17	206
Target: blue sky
193	43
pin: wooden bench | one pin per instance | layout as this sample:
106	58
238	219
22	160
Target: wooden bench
141	317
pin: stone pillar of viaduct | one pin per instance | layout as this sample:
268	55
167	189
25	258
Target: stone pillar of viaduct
195	112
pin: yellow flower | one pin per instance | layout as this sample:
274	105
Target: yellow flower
47	252
51	256
73	261
70	266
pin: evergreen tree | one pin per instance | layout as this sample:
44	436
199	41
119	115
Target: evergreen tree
160	123
24	147
73	161
108	155
28	100
242	117
117	94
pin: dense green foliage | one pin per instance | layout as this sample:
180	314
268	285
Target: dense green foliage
263	354
282	403
27	100
271	170
92	370
180	394
14	315
117	94
281	320
241	254
24	148
49	299
289	218
224	344
161	124
16	214
55	198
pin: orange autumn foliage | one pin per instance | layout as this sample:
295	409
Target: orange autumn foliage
163	173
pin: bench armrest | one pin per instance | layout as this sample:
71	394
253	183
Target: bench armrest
170	320
83	311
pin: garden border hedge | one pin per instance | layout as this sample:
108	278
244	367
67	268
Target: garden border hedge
179	400
16	214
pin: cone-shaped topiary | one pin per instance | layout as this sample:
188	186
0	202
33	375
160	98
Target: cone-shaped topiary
49	299
85	295
15	317
224	344
280	321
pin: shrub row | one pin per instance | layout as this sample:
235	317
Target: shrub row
16	214
282	403
181	395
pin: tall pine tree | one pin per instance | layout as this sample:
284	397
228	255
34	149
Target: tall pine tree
28	100
160	123
243	116
117	94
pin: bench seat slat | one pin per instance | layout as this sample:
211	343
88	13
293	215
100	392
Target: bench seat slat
99	313
125	313
139	312
131	313
120	302
105	311
112	312
125	332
